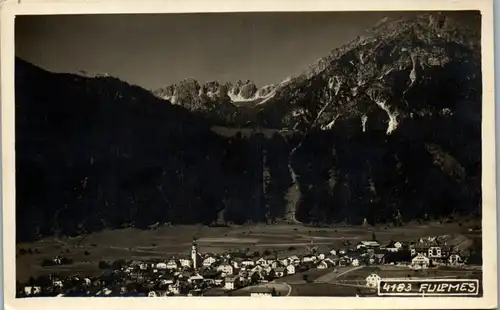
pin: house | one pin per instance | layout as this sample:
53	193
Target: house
218	282
174	288
32	290
420	262
284	261
236	262
373	280
344	262
308	258
161	266
209	261
331	260
226	269
185	263
333	252
257	268
143	266
321	256
247	262
322	265
290	269
434	252
275	264
379	258
195	278
270	261
153	294
166	281
355	262
394	246
279	272
261	261
367	244
172	264
229	283
455	260
57	283
243	275
267	269
420	248
294	259
261	292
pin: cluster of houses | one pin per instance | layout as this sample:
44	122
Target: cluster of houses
227	272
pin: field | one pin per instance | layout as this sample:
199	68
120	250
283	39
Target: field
384	272
165	241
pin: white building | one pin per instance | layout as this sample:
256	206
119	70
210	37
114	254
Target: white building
355	262
261	292
174	288
434	252
261	261
367	244
257	268
195	278
455	259
229	284
209	261
394	247
226	269
279	272
247	262
322	265
161	266
373	280
153	294
420	262
32	290
290	269
172	264
57	283
186	263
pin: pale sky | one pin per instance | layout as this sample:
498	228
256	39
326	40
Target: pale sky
157	50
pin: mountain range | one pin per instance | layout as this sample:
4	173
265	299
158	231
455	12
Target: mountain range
386	128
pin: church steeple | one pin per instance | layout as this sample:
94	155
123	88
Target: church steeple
194	254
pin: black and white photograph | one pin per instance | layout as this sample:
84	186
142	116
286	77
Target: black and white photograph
251	154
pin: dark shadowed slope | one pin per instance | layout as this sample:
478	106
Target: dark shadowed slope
386	128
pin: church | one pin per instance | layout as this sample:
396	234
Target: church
196	258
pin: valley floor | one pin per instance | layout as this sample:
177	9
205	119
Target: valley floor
163	242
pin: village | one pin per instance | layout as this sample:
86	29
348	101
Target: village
222	274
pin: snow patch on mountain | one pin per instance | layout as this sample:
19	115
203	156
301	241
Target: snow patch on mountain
393	121
364	118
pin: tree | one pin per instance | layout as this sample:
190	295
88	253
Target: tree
271	276
103	265
255	279
118	264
